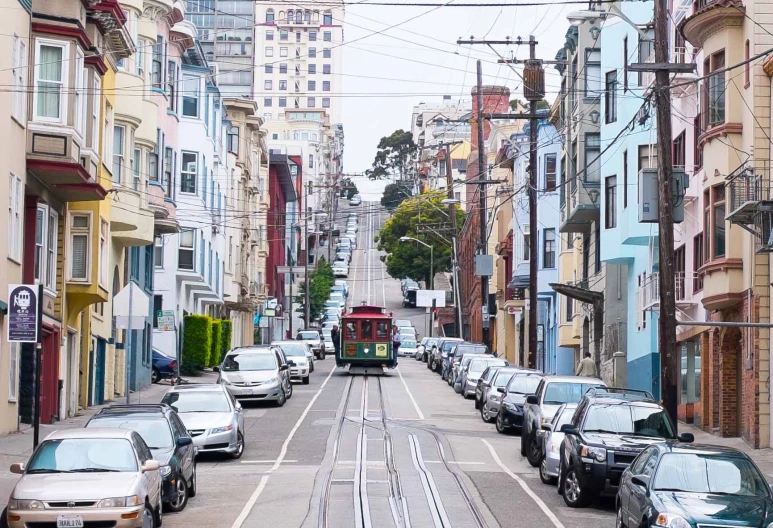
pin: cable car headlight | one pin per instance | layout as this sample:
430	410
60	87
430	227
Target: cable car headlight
366	350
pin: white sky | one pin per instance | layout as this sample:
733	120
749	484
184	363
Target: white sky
369	112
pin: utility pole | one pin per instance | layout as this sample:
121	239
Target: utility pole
669	362
483	176
307	286
454	250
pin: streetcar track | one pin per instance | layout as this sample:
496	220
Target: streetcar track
397	501
323	512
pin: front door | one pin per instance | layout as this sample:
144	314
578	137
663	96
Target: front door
99	373
49	377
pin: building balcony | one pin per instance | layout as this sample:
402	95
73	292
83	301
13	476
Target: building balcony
710	17
164	210
581	208
747	187
648	294
131	223
723	283
258	291
683	55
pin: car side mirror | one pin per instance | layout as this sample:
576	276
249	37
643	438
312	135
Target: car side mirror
640	480
284	367
501	390
568	429
17	468
291	362
687	438
152	465
215	369
547	427
531	399
184	441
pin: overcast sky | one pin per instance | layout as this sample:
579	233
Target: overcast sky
423	61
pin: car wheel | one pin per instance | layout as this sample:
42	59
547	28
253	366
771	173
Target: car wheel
306	380
543	475
148	517
501	429
560	476
289	389
192	486
180	500
158	515
322	355
239	446
311	368
619	520
523	440
574	495
155	375
533	451
477	403
282	399
4	519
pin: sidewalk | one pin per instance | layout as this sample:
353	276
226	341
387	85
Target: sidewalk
762	457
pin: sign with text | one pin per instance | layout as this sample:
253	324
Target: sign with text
166	320
23	314
425	298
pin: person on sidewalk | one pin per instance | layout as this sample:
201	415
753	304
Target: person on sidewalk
396	340
335	336
587	367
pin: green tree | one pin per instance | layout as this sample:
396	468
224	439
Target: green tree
321	279
395	194
409	259
393	154
348	188
197	344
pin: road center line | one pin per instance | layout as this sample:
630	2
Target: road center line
544	507
410	395
264	479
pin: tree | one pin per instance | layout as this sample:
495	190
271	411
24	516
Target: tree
348	188
393	153
395	194
321	279
409	259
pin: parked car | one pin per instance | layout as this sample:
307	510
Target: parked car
299	358
314	339
108	477
407	332
402	322
408	347
540	407
552	440
408	284
256	373
678	485
211	416
484	383
340	269
163	367
343	284
513	397
608	429
424	347
488	396
440	352
329	346
409	299
458	352
355	200
468	377
343	257
168	440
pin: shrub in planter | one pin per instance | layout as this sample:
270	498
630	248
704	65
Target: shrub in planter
197	344
214	355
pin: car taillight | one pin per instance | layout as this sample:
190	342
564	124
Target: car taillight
173	364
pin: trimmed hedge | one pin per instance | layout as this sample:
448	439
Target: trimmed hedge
226	330
197	344
217	343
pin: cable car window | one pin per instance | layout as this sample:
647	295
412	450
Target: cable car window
351	330
382	330
367	330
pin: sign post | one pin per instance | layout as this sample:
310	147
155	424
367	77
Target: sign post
25	320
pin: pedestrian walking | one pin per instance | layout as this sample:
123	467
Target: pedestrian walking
586	367
335	335
396	340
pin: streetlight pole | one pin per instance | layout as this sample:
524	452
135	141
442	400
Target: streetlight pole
431	275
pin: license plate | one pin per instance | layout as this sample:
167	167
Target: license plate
69	521
247	392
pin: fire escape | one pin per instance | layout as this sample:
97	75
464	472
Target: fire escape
749	203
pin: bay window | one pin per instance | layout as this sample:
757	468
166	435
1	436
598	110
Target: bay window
50	103
158	252
168	171
186	250
157	68
549	249
136	163
171	86
714	96
191	96
80	93
80	233
95	106
19	72
188	172
593	86
592	161
119	134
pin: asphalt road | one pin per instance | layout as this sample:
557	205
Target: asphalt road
399	450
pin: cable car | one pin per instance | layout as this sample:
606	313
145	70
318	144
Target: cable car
366	341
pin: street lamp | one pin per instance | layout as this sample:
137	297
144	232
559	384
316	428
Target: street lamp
431	258
576	18
450	201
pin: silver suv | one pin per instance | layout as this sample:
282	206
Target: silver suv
314	339
257	373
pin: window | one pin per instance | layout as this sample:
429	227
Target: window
191	85
46	230
283	52
95	106
311	103
718	212
283	85
326	102
50	75
15	208
526	242
625	179
697	147
168	171
648	157
592	155
610	195
679	268
307	16
79	247
326	53
625	64
158	252
269	16
282	102
646	51
746	66
268	101
327	36
171	85
269	35
610	97
327	18
152	166
186	250
269	68
679	150
136	164
597	248
569	309
312	55
104	257
697	262
311	161
158	305
715	90
312	36
326	69
189	172
550	172
297	86
297	53
267	84
297	36
107	136
282	34
19	70
592	73
119	134
269	51
312	69
157	66
549	249
282	69
312	85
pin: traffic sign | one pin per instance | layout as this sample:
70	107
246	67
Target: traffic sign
166	320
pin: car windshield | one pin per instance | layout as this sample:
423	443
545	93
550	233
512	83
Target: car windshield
448	345
84	455
698	473
558	393
502	379
524	384
565	417
402	322
409	343
407	331
308	336
479	365
153	429
293	349
198	401
629	419
470	349
242	362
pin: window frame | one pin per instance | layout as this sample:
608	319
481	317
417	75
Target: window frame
549	248
715	85
63	83
16	217
72	232
327	53
19	74
119	153
326	102
610	97
104	254
595	65
189	176
550	183
327	36
595	158
189	80
158	252
610	202
191	249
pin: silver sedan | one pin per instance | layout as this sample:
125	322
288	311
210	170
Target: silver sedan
493	396
553	437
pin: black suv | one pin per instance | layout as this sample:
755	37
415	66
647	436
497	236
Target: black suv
609	428
168	440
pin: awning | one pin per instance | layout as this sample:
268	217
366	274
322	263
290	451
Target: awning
282	165
578	293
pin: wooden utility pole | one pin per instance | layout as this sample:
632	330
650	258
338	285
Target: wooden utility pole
482	176
307	287
454	242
